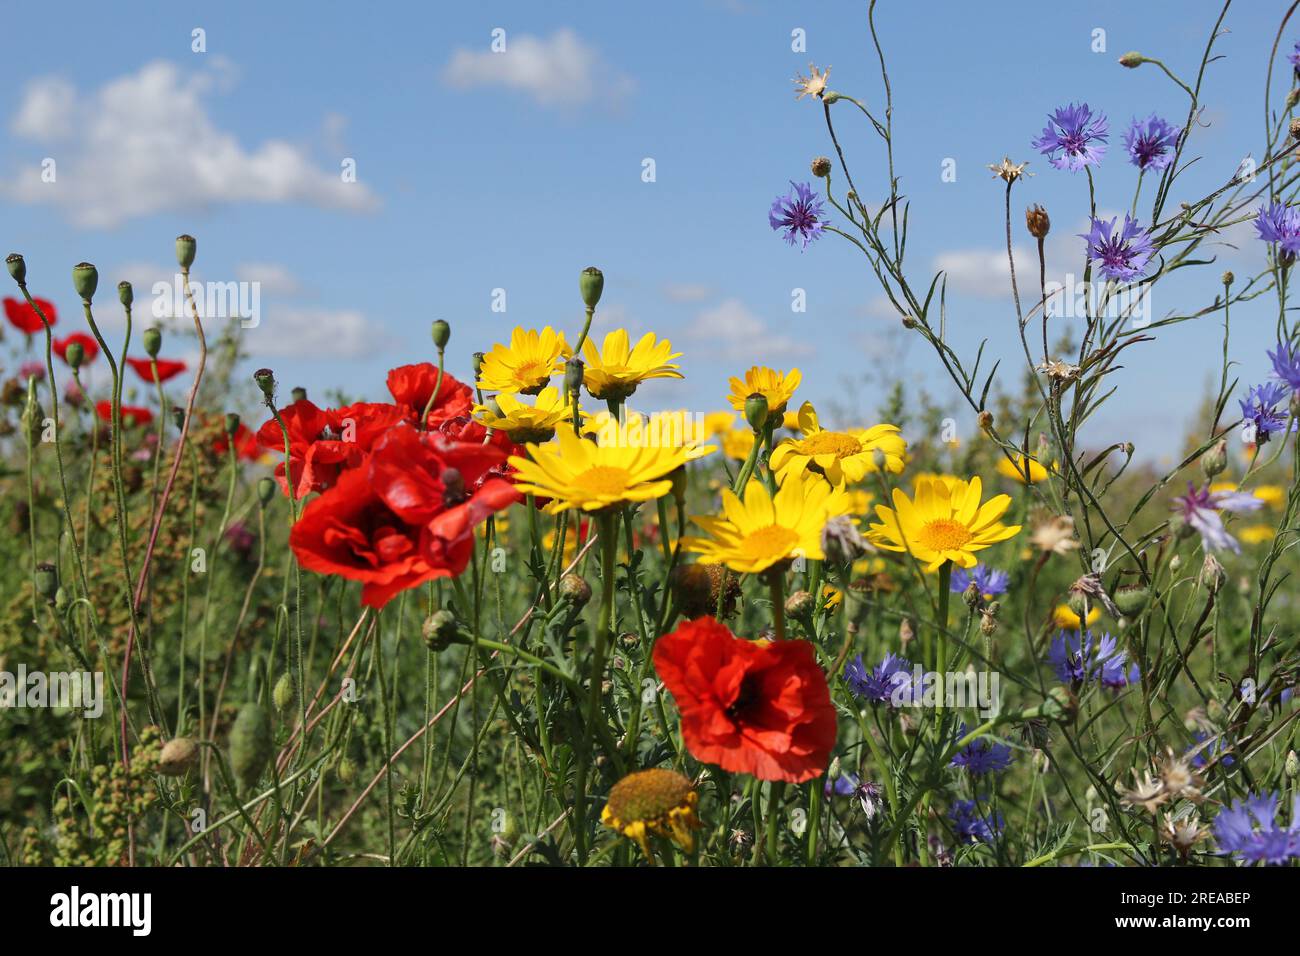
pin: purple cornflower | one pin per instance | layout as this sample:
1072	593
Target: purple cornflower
990	581
1259	407
1286	365
841	786
1200	509
799	213
1251	831
972	825
982	755
1150	143
1078	661
1121	255
879	684
1294	58
1201	755
1280	223
1073	138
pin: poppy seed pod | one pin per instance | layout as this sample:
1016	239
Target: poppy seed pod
441	334
1131	599
17	267
232	423
85	279
591	283
298	394
152	339
47	580
250	744
125	294
186	247
265	380
756	411
347	770
479	358
574	372
1037	221
265	491
74	355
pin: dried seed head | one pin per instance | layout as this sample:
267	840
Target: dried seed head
985	420
821	167
800	604
1037	221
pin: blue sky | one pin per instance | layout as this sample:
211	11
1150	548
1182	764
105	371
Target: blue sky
479	171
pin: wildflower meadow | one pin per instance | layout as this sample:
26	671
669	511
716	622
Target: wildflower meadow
512	603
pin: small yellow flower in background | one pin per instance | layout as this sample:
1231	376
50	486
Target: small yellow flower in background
617	368
814	84
1068	620
1272	495
526	364
1022	469
737	443
838	455
1256	533
523	422
653	802
671	429
942	523
860	501
763	530
777	387
832	597
578	473
718	423
951	481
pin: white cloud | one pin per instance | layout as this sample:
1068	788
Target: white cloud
314	333
274	279
144	143
686	291
737	334
558	71
983	273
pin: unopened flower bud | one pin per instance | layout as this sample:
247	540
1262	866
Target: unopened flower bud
265	491
1212	574
1294	128
1132	59
1175	562
1037	221
177	756
821	167
591	283
1228	278
756	411
1216	459
1131	599
441	334
347	770
85	279
185	250
972	596
441	630
800	604
251	743
282	694
1291	767
575	589
152	340
985	420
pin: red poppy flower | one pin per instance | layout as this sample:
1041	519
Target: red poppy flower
24	318
749	707
411	385
131	414
463	428
246	446
404	517
89	347
167	368
323	442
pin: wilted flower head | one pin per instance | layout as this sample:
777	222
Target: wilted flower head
1249	829
1077	660
841	540
814	84
1150	143
1055	535
1073	138
800	213
1121	255
1200	510
1183	832
1280	223
1059	372
1008	170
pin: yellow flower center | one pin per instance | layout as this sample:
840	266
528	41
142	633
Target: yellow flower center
530	372
774	540
604	480
943	534
831	443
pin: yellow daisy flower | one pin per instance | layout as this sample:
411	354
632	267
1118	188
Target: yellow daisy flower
1256	533
777	387
578	473
860	501
617	368
1021	467
839	456
1065	618
718	423
737	443
763	530
653	802
672	429
790	421
523	422
526	364
942	523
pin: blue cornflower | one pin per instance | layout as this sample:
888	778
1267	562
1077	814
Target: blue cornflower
982	755
1286	365
990	581
1078	661
1073	138
1251	831
1218	748
1150	143
974	826
841	786
799	213
1259	407
893	675
1294	57
1122	254
1280	223
1200	509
